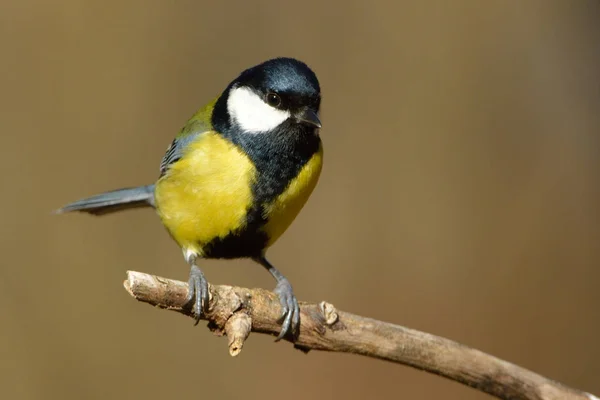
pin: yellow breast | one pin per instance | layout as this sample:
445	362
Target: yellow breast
281	212
206	194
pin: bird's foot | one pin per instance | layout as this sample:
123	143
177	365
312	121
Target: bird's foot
198	295
290	311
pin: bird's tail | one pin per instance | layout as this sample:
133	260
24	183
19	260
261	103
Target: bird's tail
113	201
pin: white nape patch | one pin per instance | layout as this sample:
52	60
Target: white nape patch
592	397
251	113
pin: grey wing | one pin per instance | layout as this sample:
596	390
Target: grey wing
175	151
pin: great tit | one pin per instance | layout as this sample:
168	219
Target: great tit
236	176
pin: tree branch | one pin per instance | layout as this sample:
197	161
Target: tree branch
236	311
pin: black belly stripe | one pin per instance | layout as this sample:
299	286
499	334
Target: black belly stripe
279	156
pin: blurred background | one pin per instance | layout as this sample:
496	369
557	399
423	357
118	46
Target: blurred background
460	193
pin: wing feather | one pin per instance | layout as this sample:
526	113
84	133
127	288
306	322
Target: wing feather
199	124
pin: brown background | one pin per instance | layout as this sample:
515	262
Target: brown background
460	193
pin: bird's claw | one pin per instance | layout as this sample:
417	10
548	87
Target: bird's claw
290	311
198	294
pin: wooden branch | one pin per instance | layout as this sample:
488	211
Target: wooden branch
236	312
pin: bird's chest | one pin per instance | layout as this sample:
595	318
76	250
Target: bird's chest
220	203
206	194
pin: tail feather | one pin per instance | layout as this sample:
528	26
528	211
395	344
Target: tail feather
113	201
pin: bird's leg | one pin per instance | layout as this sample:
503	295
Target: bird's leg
198	295
290	311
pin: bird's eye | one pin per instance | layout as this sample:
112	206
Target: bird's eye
273	99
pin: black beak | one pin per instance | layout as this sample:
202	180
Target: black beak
308	117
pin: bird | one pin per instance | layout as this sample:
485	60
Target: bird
236	176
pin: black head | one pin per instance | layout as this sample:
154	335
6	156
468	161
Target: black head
278	92
292	80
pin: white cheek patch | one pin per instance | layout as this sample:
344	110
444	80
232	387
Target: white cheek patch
251	113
